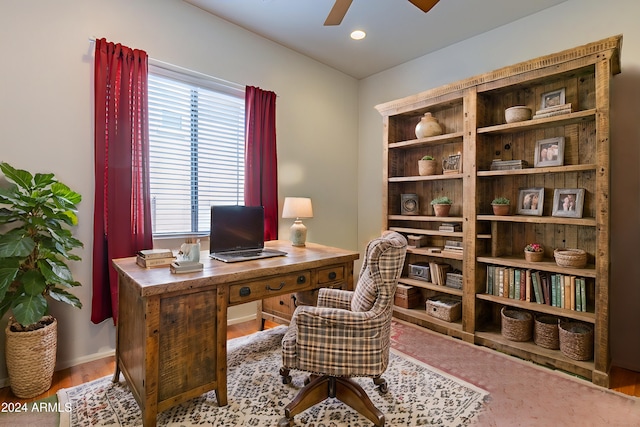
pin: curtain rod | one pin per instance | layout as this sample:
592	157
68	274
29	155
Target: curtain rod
173	67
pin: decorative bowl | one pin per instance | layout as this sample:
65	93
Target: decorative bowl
519	113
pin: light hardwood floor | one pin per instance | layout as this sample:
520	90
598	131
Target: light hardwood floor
622	380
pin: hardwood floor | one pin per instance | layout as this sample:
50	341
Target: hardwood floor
622	380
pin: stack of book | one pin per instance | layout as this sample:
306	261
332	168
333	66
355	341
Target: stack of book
553	111
453	247
177	267
501	165
150	258
450	226
438	273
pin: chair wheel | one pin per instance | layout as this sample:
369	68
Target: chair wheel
383	388
285	422
382	385
286	380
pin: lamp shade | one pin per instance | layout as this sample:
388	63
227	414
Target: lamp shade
297	207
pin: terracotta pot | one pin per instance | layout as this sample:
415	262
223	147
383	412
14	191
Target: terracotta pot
426	167
441	210
428	126
501	209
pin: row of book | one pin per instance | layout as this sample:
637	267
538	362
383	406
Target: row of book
542	287
152	258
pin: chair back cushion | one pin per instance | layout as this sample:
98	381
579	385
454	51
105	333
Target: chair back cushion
382	266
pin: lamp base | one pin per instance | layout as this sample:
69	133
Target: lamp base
298	233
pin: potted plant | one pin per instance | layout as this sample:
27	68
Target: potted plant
427	166
441	205
533	252
501	206
36	212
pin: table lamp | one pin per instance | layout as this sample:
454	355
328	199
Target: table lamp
297	207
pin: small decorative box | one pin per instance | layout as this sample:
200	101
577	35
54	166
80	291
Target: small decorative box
445	308
420	271
407	296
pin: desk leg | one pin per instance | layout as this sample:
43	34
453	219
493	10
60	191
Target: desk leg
221	359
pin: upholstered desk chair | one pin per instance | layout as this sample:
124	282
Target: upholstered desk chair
346	335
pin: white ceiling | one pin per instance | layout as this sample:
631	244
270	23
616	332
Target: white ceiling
397	31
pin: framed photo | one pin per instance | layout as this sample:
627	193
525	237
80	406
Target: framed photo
552	99
568	202
549	152
530	201
452	164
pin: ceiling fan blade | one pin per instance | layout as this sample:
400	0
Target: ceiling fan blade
338	11
424	5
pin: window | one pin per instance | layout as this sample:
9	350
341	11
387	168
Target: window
196	134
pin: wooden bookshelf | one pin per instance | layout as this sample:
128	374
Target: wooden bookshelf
471	113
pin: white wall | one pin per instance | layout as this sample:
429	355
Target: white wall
46	116
570	24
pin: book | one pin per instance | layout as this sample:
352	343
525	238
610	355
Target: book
523	285
512	283
528	286
566	106
583	293
572	287
516	282
155	253
552	113
501	281
491	269
545	288
535	281
153	262
185	267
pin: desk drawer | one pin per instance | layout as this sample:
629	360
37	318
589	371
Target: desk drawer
264	288
331	274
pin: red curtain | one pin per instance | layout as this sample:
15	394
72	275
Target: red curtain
261	163
121	218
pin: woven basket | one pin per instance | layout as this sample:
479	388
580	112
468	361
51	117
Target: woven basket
533	256
576	258
545	332
576	340
31	359
516	325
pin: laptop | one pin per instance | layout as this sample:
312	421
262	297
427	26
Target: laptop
237	234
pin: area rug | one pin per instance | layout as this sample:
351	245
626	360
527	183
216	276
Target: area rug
418	395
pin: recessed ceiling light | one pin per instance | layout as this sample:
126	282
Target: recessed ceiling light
358	35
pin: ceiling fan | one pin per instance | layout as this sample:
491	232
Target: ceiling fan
340	8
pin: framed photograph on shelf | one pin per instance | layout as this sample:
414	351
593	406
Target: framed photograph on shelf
452	164
552	99
530	201
549	152
568	202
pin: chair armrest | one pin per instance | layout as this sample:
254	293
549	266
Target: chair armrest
334	298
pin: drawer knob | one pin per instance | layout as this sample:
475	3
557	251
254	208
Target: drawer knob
245	291
301	280
332	275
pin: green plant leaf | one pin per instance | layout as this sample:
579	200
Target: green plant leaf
28	309
9	268
14	243
64	296
33	282
21	177
55	271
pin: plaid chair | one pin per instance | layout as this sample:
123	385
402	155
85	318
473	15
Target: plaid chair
346	335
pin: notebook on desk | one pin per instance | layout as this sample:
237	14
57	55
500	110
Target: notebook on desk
237	234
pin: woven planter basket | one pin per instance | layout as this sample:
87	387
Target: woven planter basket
576	340
545	332
31	359
533	256
516	325
576	258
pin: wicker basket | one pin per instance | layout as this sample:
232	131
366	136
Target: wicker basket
576	258
31	359
516	325
545	332
576	340
533	256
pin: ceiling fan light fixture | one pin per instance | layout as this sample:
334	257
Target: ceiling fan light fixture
358	34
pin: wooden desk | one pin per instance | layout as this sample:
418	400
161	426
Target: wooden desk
171	342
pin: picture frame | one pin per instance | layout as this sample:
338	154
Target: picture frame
552	99
452	164
549	152
568	202
530	201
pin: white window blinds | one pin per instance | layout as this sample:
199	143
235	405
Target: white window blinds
196	133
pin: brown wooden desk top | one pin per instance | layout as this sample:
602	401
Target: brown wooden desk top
153	281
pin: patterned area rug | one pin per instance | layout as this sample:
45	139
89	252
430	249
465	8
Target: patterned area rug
418	395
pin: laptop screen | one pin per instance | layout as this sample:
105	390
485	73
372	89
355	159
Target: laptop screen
236	228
